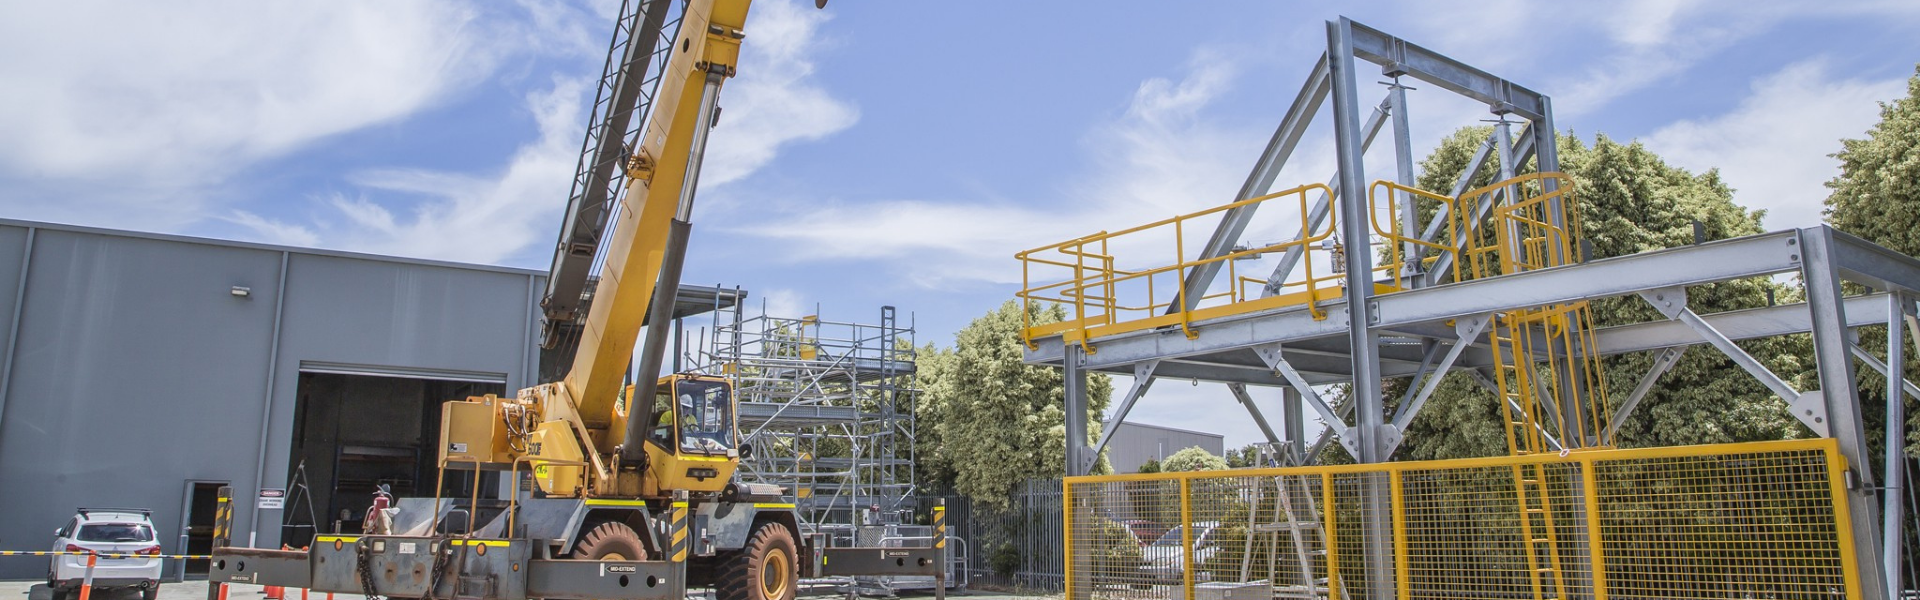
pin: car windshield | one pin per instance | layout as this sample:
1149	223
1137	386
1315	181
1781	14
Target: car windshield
115	532
1171	537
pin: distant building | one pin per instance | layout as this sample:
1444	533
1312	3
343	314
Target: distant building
1134	444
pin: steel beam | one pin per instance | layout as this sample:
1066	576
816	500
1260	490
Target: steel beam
1661	363
1808	407
1327	413
1142	380
1317	212
1751	256
1470	330
1846	425
1867	263
1285	138
1744	324
1432	67
1239	391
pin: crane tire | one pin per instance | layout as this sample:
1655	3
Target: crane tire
610	541
767	568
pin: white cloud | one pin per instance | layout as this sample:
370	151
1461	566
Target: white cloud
1162	156
774	101
1659	39
151	107
1772	148
466	217
490	217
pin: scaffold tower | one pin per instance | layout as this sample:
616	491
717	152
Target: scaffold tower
828	407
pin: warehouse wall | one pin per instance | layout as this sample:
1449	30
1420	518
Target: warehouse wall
134	368
1135	443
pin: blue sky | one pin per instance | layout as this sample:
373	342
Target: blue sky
871	153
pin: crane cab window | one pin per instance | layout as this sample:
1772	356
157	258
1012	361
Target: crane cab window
701	411
706	416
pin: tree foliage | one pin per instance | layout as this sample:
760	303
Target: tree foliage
1630	201
1193	458
1877	197
987	421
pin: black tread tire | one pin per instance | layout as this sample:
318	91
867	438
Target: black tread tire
740	577
615	540
151	592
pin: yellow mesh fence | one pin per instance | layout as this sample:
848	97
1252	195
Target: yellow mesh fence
1756	520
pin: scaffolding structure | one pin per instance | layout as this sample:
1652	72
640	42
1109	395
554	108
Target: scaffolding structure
1380	280
828	408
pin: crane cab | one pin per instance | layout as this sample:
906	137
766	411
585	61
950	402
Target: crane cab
693	440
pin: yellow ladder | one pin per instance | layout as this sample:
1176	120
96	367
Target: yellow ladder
1514	336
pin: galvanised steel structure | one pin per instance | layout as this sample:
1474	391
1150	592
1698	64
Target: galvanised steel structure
828	408
1407	318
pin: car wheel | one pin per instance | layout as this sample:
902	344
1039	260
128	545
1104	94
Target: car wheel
150	592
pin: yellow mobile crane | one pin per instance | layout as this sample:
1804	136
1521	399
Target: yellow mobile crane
632	492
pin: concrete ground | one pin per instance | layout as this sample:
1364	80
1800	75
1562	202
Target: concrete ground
197	590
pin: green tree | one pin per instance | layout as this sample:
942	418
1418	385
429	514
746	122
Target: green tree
1877	197
1193	458
986	420
1630	201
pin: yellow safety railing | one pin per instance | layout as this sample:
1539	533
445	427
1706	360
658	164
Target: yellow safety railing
1460	225
1103	299
1751	520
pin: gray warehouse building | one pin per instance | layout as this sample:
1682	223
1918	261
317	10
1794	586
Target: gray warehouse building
143	370
1136	443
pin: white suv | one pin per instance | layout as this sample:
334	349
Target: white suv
125	531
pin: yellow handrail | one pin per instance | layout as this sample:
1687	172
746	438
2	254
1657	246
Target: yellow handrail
1091	266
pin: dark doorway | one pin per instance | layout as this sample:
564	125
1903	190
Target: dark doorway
355	433
196	529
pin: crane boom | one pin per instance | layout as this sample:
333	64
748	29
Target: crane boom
603	158
649	228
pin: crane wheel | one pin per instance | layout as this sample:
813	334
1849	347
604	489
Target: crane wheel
767	568
610	541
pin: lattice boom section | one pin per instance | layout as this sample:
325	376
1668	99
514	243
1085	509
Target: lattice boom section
1758	520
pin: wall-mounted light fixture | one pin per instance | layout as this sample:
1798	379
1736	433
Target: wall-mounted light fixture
241	291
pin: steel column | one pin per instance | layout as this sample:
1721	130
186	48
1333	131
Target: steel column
1894	537
1361	337
1845	424
1403	174
1296	426
1075	387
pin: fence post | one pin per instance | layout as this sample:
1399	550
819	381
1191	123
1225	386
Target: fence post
1066	520
1596	557
1402	574
1186	535
940	543
222	536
